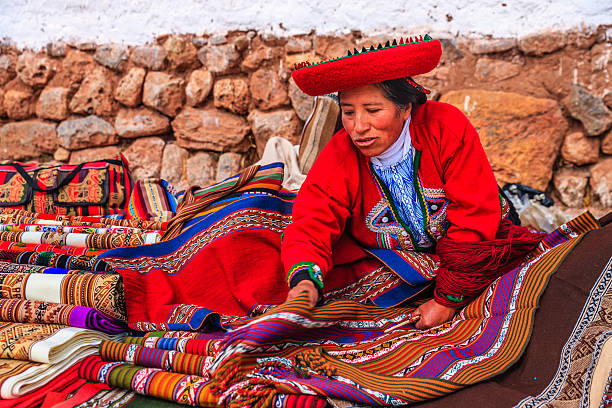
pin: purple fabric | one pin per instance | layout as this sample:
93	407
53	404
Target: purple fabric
90	318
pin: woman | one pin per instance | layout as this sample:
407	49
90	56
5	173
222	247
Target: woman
402	195
418	163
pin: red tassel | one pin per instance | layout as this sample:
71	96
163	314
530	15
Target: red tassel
420	38
467	268
401	41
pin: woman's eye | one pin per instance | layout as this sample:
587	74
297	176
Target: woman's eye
372	110
347	113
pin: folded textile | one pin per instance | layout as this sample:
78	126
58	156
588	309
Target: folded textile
372	356
100	291
200	347
62	229
168	360
10	215
186	389
153	199
30	311
9	267
65	381
45	351
46	343
80	240
55	260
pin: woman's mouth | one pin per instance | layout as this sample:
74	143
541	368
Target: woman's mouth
364	142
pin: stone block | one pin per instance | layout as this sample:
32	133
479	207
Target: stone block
163	92
129	88
210	129
90	131
491	45
570	184
18	104
268	90
579	149
173	165
490	70
61	155
27	139
198	87
232	94
229	165
151	57
200	170
180	53
53	103
601	183
606	143
139	122
145	157
283	123
538	44
257	56
113	56
7	68
298	45
589	109
219	59
94	154
34	70
302	103
521	135
95	95
56	49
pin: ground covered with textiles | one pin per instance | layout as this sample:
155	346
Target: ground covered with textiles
126	311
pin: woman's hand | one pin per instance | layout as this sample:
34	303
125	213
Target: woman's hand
304	286
431	314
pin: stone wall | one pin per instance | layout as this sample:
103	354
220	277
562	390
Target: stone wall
195	109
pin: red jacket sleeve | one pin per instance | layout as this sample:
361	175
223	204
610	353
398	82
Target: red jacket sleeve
474	210
320	212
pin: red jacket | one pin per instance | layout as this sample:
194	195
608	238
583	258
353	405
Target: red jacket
456	188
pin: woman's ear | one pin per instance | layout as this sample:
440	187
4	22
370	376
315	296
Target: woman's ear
405	113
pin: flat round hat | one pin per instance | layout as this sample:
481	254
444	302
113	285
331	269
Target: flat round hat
400	59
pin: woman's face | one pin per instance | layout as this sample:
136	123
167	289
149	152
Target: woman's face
372	121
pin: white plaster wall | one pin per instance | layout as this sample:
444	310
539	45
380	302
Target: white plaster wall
33	23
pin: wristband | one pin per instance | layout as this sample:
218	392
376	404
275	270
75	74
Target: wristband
302	268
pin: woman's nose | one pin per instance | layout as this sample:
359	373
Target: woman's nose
361	123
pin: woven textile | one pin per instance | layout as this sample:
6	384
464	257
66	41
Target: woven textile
370	356
29	311
196	279
62	229
55	260
572	384
9	215
168	360
201	347
186	389
102	292
8	267
152	199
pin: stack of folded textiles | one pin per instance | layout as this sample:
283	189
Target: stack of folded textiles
58	301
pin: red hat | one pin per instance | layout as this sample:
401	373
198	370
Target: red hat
368	66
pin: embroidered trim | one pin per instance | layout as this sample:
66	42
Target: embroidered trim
313	270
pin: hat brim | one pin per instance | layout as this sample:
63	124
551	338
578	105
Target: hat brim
368	67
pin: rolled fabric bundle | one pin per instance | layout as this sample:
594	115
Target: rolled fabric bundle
33	311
